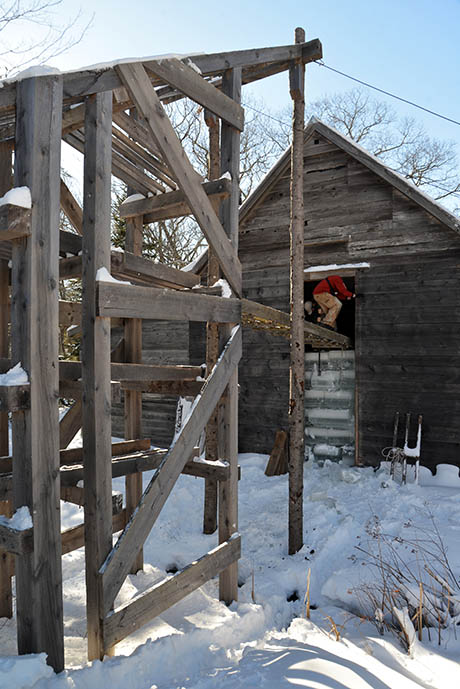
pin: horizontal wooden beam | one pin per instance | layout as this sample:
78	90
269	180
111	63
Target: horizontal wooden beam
189	82
161	596
173	204
15	541
73	389
74	538
75	454
117	565
14	397
14	222
129	265
165	387
71	370
69	243
132	301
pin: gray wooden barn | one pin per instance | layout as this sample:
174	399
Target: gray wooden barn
404	325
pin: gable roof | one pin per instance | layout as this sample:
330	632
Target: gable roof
370	161
356	151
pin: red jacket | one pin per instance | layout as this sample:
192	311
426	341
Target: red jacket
338	287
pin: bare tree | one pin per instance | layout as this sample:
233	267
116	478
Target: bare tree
179	241
50	36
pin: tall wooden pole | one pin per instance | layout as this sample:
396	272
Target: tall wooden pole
95	356
297	362
35	322
133	399
228	490
212	336
6	559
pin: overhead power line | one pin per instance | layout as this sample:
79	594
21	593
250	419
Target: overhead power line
387	93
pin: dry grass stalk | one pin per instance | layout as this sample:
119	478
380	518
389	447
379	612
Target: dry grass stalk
306	600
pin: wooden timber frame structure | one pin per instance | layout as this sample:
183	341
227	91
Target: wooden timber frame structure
115	116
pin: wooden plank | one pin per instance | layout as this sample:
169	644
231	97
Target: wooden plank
75	454
133	372
147	103
127	264
96	80
184	78
69	313
140	133
70	424
73	389
117	565
133	301
296	415
184	388
133	398
228	424
16	541
71	208
161	596
34	314
74	538
172	204
14	397
95	353
138	155
277	463
14	222
212	334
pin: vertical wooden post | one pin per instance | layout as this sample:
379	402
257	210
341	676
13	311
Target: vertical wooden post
95	356
212	336
297	340
228	490
35	301
6	560
133	399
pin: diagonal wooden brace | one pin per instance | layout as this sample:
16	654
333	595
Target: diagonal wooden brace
137	82
117	565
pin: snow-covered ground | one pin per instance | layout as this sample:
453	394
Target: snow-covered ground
265	640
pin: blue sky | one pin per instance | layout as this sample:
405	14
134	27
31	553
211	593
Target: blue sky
409	47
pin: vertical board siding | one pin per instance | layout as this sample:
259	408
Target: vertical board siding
407	348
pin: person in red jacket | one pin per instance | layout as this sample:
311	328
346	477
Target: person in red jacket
329	294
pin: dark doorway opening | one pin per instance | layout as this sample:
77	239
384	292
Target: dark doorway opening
346	317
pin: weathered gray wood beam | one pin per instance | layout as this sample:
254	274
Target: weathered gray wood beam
184	78
296	298
36	431
72	370
95	353
173	204
6	560
183	388
117	565
16	541
74	538
83	83
132	301
70	424
14	397
138	155
148	104
14	222
160	597
228	431
129	265
71	208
